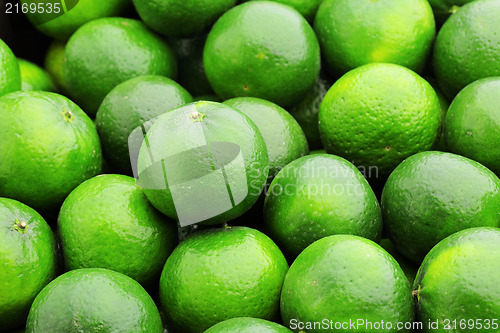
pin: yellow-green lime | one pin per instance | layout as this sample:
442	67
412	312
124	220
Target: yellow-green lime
53	63
10	76
34	77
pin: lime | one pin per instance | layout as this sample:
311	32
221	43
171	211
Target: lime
210	98
444	8
379	114
221	274
106	52
203	162
247	325
284	138
468	46
48	146
54	63
345	279
27	257
409	267
128	106
307	8
110	214
317	196
34	77
192	75
10	76
63	26
472	126
306	112
180	18
93	300
444	104
457	284
432	195
262	49
353	33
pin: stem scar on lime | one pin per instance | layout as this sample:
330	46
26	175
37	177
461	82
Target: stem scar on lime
20	226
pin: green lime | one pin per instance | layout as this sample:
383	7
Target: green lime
467	47
353	33
128	106
457	284
306	112
342	279
444	104
109	214
284	138
262	49
379	114
247	325
409	267
307	8
83	11
54	59
444	8
472	126
94	300
203	162
27	257
210	98
318	196
106	52
48	146
34	77
10	76
180	18
221	274
432	195
192	76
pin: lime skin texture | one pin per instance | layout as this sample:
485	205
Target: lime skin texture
467	47
108	51
48	146
342	278
34	77
110	214
220	274
262	49
10	76
28	259
183	133
284	137
472	125
458	280
93	300
130	105
317	196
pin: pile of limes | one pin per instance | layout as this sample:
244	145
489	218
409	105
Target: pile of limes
229	166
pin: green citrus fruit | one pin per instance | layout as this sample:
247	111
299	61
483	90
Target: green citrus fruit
432	195
10	76
284	138
34	77
94	300
307	8
343	279
203	162
28	260
128	106
108	51
468	46
306	112
54	64
444	104
262	49
379	114
180	18
108	215
409	267
221	274
63	26
444	8
210	98
472	126
318	196
353	33
48	146
247	325
457	284
192	76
